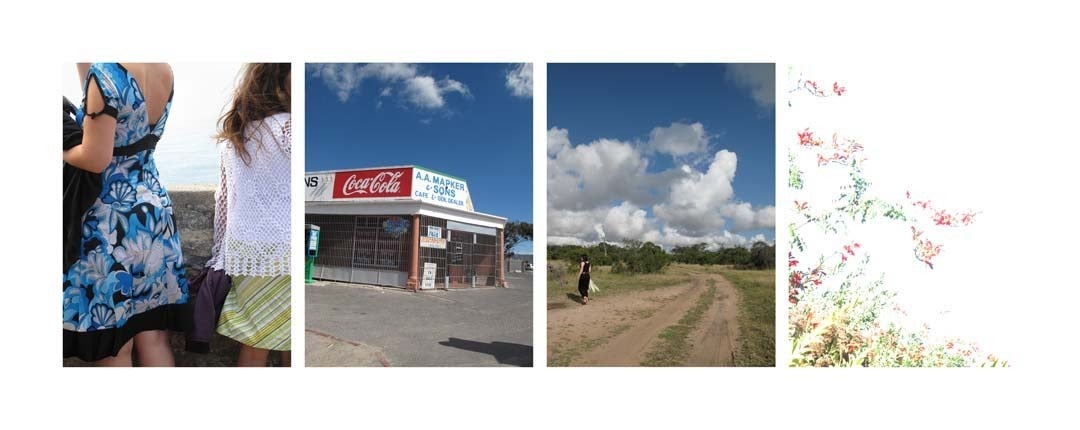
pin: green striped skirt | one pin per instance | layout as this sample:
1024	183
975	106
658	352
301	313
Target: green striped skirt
257	312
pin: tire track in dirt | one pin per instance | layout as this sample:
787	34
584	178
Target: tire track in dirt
574	329
620	330
630	347
714	338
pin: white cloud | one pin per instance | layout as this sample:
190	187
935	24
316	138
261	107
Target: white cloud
391	72
414	88
447	85
557	140
425	92
592	175
602	191
758	78
679	139
519	80
697	202
342	79
422	91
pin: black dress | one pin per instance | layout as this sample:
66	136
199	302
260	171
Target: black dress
583	281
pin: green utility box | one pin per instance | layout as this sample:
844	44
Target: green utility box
311	233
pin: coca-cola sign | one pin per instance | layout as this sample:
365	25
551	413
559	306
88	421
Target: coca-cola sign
376	183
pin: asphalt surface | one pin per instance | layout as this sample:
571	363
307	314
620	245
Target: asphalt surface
355	325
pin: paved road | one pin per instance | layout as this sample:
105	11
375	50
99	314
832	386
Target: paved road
352	325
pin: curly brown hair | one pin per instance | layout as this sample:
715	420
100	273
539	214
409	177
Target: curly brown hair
263	91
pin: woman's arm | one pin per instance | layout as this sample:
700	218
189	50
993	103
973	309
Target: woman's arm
84	69
95	152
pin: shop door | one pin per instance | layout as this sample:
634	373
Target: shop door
470	260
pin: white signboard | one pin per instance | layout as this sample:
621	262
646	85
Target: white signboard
415	183
319	187
428	281
440	189
434	231
432	242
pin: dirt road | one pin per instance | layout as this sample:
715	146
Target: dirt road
620	330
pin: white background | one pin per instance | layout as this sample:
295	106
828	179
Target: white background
1019	57
965	137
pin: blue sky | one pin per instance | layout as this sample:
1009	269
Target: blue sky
672	153
473	121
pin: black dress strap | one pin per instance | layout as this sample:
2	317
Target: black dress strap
148	142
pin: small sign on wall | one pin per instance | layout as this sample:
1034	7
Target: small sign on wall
431	242
428	281
434	231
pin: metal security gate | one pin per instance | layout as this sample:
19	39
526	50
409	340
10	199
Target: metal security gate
471	259
430	227
363	249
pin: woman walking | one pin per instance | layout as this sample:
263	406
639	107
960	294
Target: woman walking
583	279
251	222
122	290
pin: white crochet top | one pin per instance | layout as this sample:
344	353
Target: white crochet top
251	213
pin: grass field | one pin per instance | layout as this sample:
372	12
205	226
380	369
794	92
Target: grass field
562	280
757	316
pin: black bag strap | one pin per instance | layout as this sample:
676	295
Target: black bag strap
146	143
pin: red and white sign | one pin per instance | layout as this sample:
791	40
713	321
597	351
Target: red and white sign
374	183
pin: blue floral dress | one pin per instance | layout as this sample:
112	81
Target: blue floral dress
130	273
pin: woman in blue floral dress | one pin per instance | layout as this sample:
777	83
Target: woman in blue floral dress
122	292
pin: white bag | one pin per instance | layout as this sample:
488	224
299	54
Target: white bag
592	286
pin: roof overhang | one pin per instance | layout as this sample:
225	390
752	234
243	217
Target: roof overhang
402	207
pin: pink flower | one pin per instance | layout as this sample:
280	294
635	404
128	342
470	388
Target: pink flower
925	250
838	89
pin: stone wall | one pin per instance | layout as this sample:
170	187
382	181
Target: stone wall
193	206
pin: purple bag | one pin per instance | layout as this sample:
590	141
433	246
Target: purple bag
208	289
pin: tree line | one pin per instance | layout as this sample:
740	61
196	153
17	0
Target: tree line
647	257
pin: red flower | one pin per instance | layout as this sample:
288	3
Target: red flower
850	249
838	89
943	218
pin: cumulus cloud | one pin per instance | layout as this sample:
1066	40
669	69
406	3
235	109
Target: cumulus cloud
697	202
603	191
758	78
595	174
414	88
519	80
679	139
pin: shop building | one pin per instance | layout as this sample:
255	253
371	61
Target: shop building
404	226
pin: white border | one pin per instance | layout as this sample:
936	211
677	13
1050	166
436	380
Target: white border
40	36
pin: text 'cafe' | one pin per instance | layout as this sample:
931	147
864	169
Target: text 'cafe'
404	226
